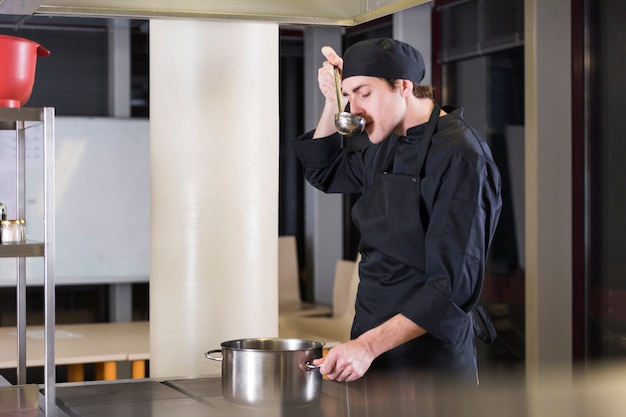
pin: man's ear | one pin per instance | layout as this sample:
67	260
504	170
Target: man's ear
407	88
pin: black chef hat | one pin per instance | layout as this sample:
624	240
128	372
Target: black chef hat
384	58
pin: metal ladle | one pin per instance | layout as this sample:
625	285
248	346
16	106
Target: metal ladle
346	123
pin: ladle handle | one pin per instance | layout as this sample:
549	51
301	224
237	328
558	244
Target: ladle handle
338	88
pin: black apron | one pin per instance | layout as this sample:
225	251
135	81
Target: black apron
391	221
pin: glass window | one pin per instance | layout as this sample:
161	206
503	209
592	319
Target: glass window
606	277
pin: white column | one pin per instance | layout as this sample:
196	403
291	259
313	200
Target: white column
548	147
214	189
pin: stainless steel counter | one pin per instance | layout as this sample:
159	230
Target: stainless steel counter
203	397
598	393
172	398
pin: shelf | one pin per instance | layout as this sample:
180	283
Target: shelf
9	117
21	249
20	120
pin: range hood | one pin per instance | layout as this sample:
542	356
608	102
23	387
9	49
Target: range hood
314	12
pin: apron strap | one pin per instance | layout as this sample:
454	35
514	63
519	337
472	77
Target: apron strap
388	164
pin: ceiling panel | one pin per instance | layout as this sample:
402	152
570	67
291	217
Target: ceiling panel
314	12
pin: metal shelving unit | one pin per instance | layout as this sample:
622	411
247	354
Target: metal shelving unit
23	121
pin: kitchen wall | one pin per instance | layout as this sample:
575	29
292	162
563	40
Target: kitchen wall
102	200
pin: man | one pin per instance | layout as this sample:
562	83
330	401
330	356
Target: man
429	205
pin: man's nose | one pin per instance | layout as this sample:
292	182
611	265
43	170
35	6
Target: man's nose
354	108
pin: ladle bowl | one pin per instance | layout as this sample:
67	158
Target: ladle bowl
348	124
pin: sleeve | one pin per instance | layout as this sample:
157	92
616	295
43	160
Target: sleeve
327	166
457	241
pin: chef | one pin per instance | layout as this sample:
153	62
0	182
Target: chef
428	208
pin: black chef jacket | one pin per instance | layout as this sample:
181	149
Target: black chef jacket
426	260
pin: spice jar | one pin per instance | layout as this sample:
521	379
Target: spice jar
22	230
10	231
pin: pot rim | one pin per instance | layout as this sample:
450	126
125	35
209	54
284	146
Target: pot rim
298	344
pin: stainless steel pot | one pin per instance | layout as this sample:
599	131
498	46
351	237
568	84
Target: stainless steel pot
269	371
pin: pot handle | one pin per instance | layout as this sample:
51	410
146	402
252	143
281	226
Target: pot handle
310	367
213	358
